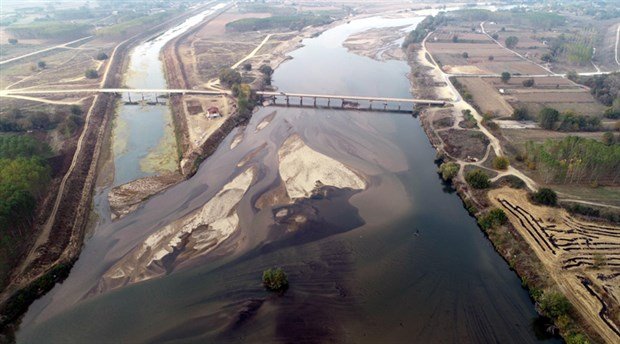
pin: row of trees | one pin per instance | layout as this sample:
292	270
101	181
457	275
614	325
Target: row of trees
24	176
427	25
606	89
67	122
552	119
574	160
291	22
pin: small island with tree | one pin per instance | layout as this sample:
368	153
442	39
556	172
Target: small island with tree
275	280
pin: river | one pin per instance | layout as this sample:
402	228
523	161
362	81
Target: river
401	261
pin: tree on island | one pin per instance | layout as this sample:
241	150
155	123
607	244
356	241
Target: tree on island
506	77
275	279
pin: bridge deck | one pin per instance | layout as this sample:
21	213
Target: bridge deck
210	92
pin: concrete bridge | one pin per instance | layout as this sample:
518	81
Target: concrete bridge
317	100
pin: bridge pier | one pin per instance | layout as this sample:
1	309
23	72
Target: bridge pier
342	104
328	101
314	101
129	96
287	101
301	101
398	106
384	106
370	106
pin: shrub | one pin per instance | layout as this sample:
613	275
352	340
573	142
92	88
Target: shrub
91	74
545	196
101	56
520	114
448	170
511	42
505	77
515	182
608	138
493	219
495	36
554	304
41	64
528	82
477	179
576	338
12	41
247	66
548	117
275	279
455	38
266	69
76	110
547	58
501	163
491	57
465	55
229	77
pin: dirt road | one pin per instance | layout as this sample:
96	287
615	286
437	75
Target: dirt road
60	46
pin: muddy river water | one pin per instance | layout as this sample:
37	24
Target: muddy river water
401	261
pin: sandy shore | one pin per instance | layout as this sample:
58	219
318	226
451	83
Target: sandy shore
378	44
196	234
126	198
303	169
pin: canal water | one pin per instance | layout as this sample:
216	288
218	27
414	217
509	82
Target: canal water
399	262
143	135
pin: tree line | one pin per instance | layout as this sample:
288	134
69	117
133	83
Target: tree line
574	160
24	177
606	89
427	25
291	22
16	120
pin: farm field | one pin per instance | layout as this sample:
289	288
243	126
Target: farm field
483	58
486	97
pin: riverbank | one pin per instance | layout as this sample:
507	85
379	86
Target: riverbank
68	219
589	312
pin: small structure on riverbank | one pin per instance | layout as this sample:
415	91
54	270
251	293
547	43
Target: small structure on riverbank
213	112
